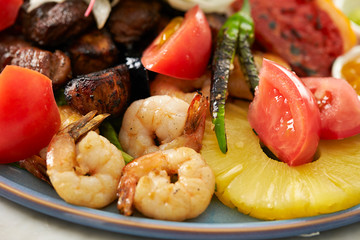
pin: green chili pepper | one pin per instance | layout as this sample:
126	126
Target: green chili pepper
246	38
223	58
60	97
108	131
237	31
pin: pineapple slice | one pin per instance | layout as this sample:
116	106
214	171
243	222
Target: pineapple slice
264	188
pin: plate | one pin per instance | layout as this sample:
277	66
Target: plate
217	222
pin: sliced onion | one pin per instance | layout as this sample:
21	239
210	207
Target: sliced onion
37	3
101	11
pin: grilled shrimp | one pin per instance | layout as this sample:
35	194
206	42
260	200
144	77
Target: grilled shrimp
183	89
163	122
85	173
36	164
147	184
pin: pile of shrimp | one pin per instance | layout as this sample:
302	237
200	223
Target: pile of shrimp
164	133
167	179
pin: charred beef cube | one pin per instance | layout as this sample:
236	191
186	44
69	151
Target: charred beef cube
107	91
93	52
130	20
55	65
52	24
8	46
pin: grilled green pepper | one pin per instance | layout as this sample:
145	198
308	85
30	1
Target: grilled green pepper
246	38
235	36
108	131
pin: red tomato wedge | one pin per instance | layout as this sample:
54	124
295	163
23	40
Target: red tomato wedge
285	115
29	116
182	49
339	107
8	12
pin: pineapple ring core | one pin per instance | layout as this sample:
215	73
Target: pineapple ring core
264	188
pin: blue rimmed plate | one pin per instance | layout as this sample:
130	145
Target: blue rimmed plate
218	222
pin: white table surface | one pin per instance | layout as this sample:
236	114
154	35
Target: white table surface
19	223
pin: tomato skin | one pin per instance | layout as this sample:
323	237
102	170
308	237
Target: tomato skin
8	12
339	107
186	53
285	115
29	116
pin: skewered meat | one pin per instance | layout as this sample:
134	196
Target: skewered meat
107	91
132	19
18	52
52	24
93	52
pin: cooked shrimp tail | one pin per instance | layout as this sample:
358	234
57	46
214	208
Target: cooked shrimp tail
126	196
132	172
85	124
194	125
196	114
36	165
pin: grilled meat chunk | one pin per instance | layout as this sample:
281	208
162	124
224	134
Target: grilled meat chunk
130	20
93	52
52	24
8	46
107	91
54	65
18	52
